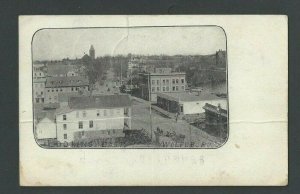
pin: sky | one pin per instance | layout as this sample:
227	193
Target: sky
56	44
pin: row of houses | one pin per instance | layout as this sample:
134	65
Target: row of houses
51	80
86	117
106	116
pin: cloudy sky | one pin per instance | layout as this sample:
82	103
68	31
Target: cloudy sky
55	44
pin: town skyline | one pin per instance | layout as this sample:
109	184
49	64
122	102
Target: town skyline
57	44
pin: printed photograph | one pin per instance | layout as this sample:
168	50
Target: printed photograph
130	87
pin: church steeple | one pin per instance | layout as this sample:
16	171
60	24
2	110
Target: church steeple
92	52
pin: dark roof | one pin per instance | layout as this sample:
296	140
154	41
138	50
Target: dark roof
215	109
45	114
58	69
66	81
104	101
64	97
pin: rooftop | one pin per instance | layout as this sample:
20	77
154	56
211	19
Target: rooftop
189	96
58	69
64	97
95	102
103	101
66	81
167	74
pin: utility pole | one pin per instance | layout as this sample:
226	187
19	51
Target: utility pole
121	74
149	90
190	128
130	79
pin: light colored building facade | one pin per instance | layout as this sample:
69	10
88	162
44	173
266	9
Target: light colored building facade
57	85
165	81
106	115
45	129
188	102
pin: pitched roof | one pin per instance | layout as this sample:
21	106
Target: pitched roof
63	109
58	69
215	109
66	81
103	101
64	97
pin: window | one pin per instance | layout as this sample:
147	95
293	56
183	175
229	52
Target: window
72	89
37	100
52	90
84	114
80	125
182	87
164	89
157	89
98	113
41	93
153	89
157	81
57	90
176	88
64	117
105	113
65	136
167	81
173	80
173	88
108	132
182	81
153	82
91	124
48	90
61	89
177	81
40	73
164	81
77	89
167	88
65	126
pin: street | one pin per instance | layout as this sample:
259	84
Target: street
141	120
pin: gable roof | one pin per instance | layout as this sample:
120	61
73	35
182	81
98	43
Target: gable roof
103	101
66	81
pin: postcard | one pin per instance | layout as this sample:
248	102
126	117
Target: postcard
153	100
